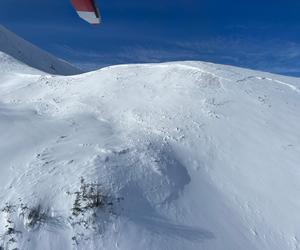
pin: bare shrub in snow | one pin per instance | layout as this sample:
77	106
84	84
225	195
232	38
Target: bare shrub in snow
34	217
9	237
92	207
90	198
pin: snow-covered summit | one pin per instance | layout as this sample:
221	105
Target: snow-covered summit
12	45
184	155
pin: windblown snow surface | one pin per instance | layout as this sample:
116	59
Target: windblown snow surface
184	155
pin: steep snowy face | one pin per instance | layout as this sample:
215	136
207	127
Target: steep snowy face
31	55
184	155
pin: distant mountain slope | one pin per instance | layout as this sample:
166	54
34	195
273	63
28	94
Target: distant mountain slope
174	156
31	55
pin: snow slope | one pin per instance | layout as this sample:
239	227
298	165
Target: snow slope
18	48
184	155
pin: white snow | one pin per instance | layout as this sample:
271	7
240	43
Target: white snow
187	155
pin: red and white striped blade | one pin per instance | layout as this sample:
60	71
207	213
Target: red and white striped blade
87	10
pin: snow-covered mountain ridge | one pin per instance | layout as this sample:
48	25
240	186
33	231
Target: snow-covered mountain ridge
184	155
27	53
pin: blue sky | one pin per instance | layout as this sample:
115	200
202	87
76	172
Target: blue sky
262	35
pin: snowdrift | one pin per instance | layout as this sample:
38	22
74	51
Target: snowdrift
184	155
